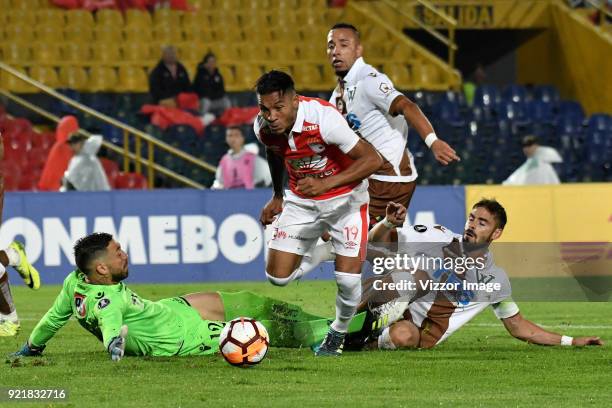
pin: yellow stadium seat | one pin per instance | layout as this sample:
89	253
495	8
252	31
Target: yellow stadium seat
287	33
25	4
106	52
198	33
167	17
102	79
191	52
50	17
221	19
135	33
194	18
230	5
80	17
228	34
246	76
282	51
47	53
108	34
257	33
73	78
374	50
167	34
312	51
307	76
257	18
5	5
132	79
138	18
76	52
109	17
14	84
49	33
46	75
315	34
399	75
426	75
136	52
252	51
19	32
78	33
15	52
400	53
203	4
225	52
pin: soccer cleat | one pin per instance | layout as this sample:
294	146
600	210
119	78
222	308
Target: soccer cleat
26	270
332	344
8	328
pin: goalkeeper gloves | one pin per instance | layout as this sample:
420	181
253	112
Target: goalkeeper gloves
116	348
28	351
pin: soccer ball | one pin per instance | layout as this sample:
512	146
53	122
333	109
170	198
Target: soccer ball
244	342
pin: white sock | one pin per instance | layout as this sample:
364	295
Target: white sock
320	253
347	299
384	340
13	256
2	270
11	317
281	281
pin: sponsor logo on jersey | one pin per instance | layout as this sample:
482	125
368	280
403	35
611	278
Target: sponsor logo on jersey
350	244
99	295
385	88
351	93
79	304
310	128
420	228
279	234
315	162
103	303
353	121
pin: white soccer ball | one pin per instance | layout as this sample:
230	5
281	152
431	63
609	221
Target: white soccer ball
244	342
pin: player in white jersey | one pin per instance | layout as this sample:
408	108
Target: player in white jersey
380	114
328	166
423	316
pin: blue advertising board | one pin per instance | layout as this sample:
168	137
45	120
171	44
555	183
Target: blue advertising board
174	235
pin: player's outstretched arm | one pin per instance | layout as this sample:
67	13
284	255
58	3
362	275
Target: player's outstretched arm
443	153
525	330
116	347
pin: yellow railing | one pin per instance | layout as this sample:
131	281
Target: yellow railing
450	23
603	11
128	156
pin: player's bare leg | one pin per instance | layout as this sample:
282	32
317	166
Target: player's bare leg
401	334
208	304
282	266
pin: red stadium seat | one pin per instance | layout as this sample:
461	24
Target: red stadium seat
131	181
111	168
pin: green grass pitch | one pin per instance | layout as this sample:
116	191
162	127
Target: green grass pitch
481	365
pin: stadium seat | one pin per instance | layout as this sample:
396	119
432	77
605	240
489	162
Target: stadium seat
167	34
23	17
78	33
106	52
399	74
540	111
228	34
285	52
49	33
136	53
46	75
312	51
288	33
47	53
167	17
43	141
449	112
109	17
257	33
20	32
197	33
76	52
79	17
132	79
425	75
54	17
600	122
571	109
486	95
307	76
16	52
73	77
247	74
546	93
101	79
138	18
515	93
225	52
108	34
138	34
111	168
133	181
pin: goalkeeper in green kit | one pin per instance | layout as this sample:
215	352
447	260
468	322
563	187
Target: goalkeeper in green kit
180	326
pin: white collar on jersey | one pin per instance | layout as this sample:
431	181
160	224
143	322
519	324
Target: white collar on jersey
351	76
299	119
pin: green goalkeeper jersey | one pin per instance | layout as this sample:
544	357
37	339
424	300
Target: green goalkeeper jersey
163	328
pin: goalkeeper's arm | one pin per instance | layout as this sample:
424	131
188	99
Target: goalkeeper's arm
109	312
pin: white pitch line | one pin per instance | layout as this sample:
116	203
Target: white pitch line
569	326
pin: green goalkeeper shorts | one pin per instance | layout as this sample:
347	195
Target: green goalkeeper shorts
201	336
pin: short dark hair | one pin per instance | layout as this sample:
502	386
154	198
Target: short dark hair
495	208
208	56
274	81
349	26
89	248
529	140
235	127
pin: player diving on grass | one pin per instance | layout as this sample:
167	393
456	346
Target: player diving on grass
418	316
186	325
328	166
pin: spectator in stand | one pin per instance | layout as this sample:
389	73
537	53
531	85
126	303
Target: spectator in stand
85	172
538	168
168	79
210	87
59	155
241	167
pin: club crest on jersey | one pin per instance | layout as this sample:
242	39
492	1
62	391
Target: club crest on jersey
316	147
103	303
79	304
385	88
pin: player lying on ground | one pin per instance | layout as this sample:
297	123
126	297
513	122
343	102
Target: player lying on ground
424	318
182	325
